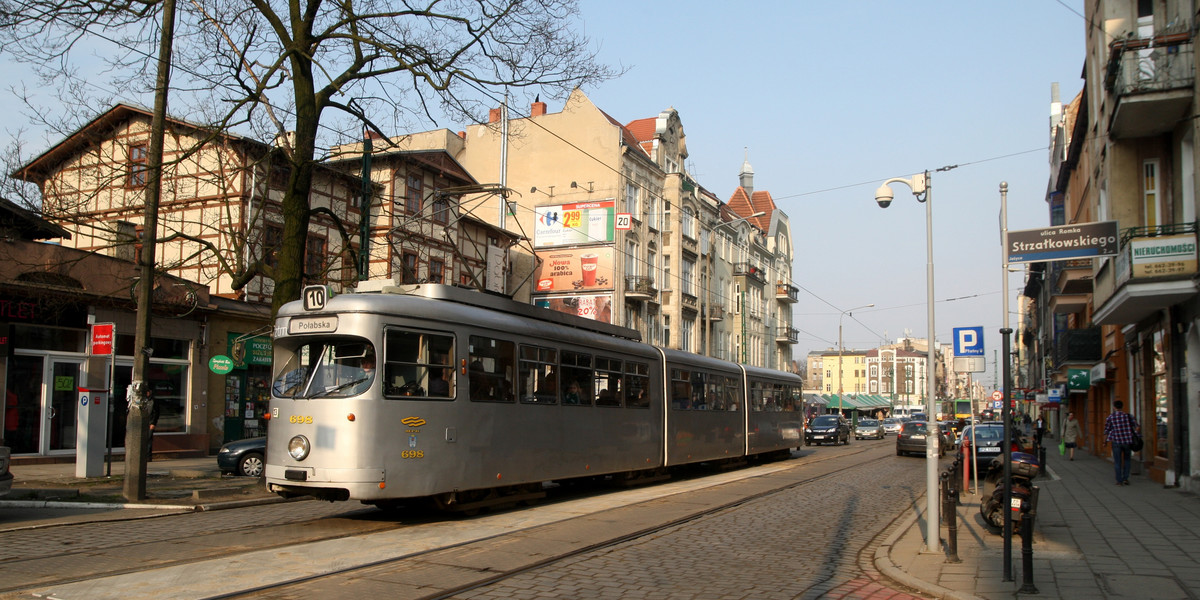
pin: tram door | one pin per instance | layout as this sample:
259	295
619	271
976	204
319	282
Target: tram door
40	404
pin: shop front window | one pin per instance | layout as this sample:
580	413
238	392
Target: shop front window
1160	396
169	389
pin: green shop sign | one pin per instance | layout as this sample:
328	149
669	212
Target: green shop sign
220	364
1079	379
256	350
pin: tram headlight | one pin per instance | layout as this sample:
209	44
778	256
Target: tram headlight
298	447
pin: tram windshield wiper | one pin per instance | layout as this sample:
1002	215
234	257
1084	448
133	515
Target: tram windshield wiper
333	390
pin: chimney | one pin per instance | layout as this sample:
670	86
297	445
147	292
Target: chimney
537	109
462	134
494	115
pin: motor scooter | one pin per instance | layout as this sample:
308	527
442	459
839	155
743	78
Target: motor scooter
1024	468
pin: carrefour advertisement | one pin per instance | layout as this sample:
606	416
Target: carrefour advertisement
574	270
574	224
597	308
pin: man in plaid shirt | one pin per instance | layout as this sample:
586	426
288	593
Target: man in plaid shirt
1119	429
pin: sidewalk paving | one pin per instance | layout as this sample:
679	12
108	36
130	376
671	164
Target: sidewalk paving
184	483
1092	539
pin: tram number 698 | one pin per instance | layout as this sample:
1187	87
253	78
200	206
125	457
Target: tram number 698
306	420
412	454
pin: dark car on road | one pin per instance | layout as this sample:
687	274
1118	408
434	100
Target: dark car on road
6	478
987	440
912	439
243	457
827	429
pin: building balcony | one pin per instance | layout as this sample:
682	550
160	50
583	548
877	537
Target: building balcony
716	312
1151	81
1072	285
689	302
1154	269
749	271
640	288
1078	346
786	292
1072	276
787	335
690	245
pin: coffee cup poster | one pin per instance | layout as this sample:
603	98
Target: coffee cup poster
575	270
574	224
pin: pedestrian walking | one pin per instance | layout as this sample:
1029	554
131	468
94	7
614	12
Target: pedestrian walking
1120	429
1039	430
152	419
1071	434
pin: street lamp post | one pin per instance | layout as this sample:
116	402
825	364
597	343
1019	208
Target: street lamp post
841	403
922	190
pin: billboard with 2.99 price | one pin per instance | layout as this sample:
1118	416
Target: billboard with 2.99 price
574	224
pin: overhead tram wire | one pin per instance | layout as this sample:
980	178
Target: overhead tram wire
600	162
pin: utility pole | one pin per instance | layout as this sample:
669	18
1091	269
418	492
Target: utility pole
136	425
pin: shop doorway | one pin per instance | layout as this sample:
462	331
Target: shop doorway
40	404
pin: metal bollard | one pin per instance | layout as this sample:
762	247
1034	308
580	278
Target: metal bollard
950	514
956	479
1027	586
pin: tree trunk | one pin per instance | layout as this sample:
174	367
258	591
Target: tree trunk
137	426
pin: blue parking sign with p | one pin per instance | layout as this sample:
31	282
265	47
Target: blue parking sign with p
968	341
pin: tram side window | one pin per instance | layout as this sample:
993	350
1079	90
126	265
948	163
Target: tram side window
681	389
539	375
637	385
576	378
714	397
491	369
783	395
608	382
733	393
699	387
418	364
758	397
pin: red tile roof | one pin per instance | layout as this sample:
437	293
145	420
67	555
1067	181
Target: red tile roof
745	205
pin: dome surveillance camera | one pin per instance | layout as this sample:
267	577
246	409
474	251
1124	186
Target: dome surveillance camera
884	196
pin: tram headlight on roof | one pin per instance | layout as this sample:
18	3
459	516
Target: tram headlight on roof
298	447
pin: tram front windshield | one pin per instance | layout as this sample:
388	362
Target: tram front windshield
330	368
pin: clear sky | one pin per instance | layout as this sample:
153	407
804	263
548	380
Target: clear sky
828	100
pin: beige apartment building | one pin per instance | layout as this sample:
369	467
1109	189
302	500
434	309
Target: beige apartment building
616	229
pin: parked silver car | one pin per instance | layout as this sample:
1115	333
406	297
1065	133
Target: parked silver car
891	425
868	429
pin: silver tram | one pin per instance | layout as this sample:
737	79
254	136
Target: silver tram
431	391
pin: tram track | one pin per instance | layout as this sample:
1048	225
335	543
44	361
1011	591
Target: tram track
301	588
780	475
